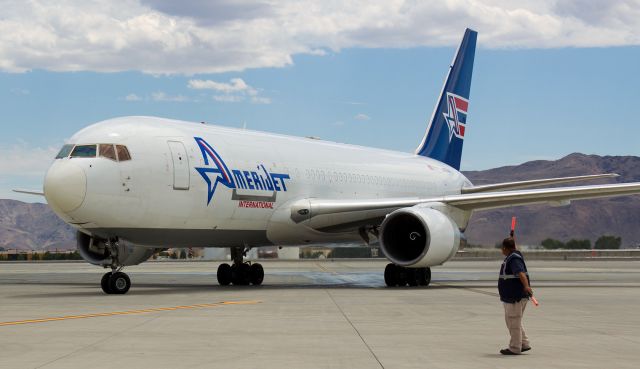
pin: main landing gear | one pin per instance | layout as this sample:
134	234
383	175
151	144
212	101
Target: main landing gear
395	275
240	273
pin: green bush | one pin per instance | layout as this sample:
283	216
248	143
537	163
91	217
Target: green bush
551	244
574	244
608	243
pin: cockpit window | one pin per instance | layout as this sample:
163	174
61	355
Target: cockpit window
84	151
107	151
123	153
64	151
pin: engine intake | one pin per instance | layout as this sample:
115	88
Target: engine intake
419	237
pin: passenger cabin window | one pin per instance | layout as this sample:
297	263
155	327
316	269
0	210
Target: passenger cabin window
84	151
64	151
107	151
123	153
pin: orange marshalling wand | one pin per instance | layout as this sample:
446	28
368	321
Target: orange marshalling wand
534	300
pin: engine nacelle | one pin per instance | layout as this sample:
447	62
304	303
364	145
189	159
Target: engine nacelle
95	251
419	237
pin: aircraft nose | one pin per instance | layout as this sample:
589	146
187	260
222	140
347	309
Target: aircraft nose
65	186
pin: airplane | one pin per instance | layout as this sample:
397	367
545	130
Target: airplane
134	185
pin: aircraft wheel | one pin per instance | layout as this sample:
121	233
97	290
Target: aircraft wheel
424	276
402	276
241	274
412	276
256	274
391	275
104	283
119	283
224	274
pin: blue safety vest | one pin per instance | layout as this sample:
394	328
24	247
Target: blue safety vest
509	285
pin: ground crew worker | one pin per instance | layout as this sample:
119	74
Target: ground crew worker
514	288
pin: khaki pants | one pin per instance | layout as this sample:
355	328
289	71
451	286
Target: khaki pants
513	317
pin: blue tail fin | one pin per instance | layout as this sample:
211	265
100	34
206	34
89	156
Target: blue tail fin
445	132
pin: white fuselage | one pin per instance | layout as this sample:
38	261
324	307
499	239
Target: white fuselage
161	198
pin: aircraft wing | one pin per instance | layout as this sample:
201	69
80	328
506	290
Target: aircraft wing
534	183
30	192
336	215
492	200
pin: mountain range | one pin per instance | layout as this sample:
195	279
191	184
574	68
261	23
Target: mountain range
583	219
33	226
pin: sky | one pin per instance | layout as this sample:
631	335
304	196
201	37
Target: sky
550	77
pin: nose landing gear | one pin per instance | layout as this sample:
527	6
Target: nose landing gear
241	273
115	282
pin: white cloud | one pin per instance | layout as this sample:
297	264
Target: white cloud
362	117
20	91
161	96
260	100
132	97
163	36
235	91
236	85
228	98
25	161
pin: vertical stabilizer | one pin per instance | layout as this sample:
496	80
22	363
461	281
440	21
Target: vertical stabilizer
445	133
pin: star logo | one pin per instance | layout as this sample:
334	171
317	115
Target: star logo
215	171
456	115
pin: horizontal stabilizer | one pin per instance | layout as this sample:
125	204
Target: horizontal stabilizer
534	183
30	192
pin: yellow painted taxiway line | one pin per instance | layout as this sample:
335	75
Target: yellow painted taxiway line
130	312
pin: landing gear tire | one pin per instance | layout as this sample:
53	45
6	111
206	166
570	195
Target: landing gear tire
423	276
391	275
412	277
224	274
395	275
241	274
119	283
104	283
256	273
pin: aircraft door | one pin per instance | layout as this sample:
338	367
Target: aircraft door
180	165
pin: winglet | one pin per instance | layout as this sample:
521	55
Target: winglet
446	130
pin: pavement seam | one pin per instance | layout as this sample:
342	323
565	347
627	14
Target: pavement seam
354	328
97	342
470	289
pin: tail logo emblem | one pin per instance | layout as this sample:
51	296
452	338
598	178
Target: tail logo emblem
456	115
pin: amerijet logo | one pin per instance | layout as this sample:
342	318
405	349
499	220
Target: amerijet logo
216	172
456	115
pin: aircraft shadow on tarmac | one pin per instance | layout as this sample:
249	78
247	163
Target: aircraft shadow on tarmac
154	289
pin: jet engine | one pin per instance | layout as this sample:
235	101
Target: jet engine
95	251
419	237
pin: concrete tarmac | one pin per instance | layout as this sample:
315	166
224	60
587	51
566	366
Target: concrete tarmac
308	314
